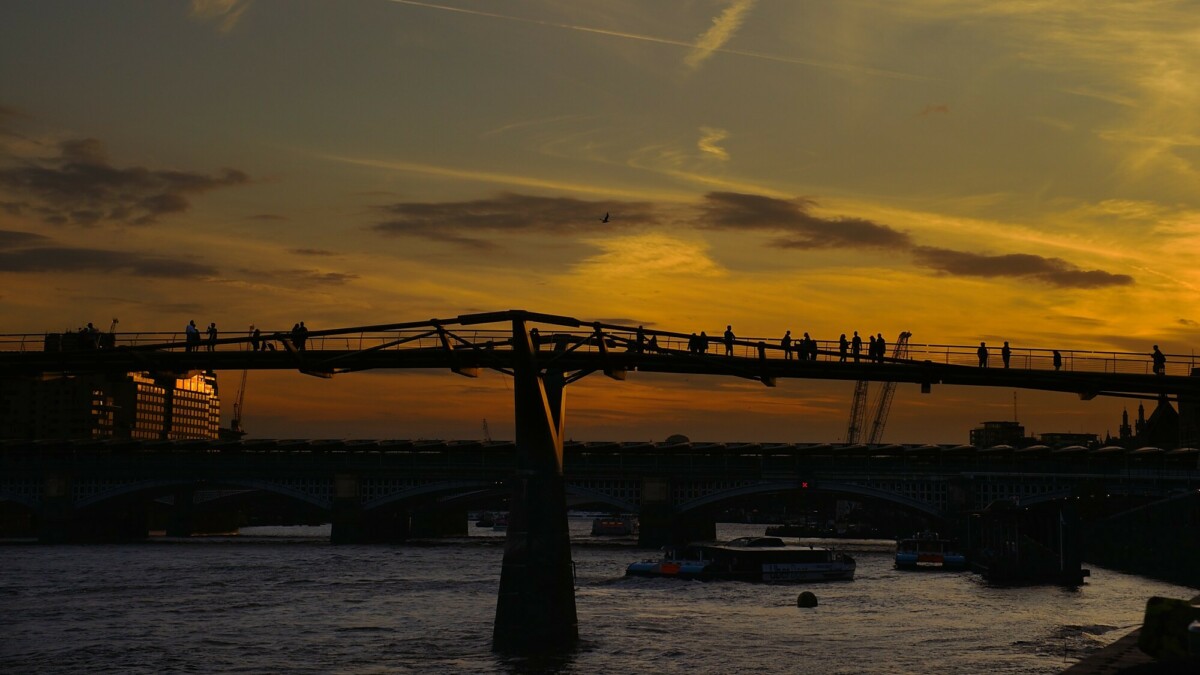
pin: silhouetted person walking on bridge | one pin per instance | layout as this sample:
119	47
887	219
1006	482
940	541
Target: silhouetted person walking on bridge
653	344
1005	353
1160	361
729	340
702	343
212	336
255	338
880	348
641	338
786	343
983	354
1057	360
856	346
843	344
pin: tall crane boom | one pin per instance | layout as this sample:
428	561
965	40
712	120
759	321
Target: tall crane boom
883	404
235	421
858	412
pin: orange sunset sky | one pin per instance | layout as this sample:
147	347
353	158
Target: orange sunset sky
970	170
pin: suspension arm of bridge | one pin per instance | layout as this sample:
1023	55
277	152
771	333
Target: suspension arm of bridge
535	608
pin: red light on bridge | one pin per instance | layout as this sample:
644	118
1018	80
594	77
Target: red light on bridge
803	485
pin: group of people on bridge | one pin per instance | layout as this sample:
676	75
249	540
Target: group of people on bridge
805	348
192	340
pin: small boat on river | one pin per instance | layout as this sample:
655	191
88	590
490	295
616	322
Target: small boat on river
928	550
615	525
766	559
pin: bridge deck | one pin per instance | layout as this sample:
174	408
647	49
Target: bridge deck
469	343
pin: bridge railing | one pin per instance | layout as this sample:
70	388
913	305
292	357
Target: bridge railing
620	340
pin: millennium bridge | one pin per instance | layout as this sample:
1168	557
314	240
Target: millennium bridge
543	354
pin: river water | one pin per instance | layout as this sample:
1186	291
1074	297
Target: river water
283	600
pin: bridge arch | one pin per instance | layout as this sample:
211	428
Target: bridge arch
145	486
427	490
823	486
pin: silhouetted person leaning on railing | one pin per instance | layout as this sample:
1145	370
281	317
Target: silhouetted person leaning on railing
1160	361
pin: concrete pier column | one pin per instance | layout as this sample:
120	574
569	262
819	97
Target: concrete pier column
659	524
535	607
182	519
655	513
347	521
384	526
56	519
439	523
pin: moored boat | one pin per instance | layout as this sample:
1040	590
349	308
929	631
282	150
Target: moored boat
766	559
615	525
928	550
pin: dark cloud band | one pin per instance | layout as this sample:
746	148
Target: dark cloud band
472	225
1053	271
81	187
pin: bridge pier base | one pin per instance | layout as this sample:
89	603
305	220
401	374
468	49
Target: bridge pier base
535	606
347	526
181	521
438	523
55	523
660	525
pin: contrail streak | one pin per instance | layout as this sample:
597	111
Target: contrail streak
506	179
723	29
690	46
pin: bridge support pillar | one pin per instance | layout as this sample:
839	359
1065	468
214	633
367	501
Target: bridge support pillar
181	521
352	525
439	523
347	525
660	525
535	607
56	520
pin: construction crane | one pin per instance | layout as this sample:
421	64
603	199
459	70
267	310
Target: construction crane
858	411
235	422
881	405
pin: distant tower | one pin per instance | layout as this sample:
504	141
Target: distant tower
1126	432
1140	427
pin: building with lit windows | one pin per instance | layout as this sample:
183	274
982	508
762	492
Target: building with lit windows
134	406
